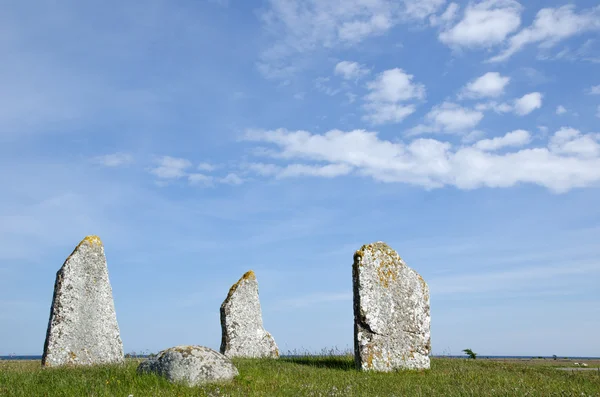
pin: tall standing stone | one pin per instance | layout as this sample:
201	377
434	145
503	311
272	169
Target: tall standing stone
83	328
242	329
391	312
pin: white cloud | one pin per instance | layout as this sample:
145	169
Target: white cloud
232	179
387	113
301	26
171	167
394	85
449	118
386	92
484	24
572	142
206	167
447	17
520	106
351	70
560	109
552	25
296	170
562	165
515	139
495	106
200	179
594	90
261	168
114	160
528	103
491	84
322	84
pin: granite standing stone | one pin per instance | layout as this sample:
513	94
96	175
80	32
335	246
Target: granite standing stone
242	329
191	365
83	328
391	312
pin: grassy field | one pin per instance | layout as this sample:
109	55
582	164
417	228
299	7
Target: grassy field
309	376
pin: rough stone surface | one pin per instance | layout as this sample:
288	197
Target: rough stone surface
242	329
192	365
83	328
391	312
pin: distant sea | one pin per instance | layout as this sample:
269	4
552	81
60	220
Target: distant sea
480	357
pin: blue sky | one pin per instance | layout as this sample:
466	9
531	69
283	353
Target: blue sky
201	139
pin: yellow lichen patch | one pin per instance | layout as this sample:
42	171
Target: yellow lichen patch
184	350
387	271
249	275
424	286
91	240
72	356
372	355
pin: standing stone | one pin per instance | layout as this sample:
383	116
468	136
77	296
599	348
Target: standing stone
83	327
242	329
191	365
391	312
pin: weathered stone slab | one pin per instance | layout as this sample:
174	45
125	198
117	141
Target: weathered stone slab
242	329
83	328
391	312
191	365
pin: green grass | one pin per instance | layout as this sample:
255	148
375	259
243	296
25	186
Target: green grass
307	376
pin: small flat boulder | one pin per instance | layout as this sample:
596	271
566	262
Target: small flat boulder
191	365
242	329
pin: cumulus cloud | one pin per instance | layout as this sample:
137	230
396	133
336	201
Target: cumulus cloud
572	142
206	167
200	179
560	109
491	84
232	179
570	159
114	160
351	70
484	24
387	92
516	138
171	167
528	103
449	118
520	106
552	25
594	90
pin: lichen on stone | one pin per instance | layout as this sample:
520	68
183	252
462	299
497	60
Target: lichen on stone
242	329
82	328
249	275
391	311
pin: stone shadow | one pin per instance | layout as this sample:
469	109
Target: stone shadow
339	363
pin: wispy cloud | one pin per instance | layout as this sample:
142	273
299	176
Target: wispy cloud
509	280
114	160
552	25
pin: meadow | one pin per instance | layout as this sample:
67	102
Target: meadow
311	376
